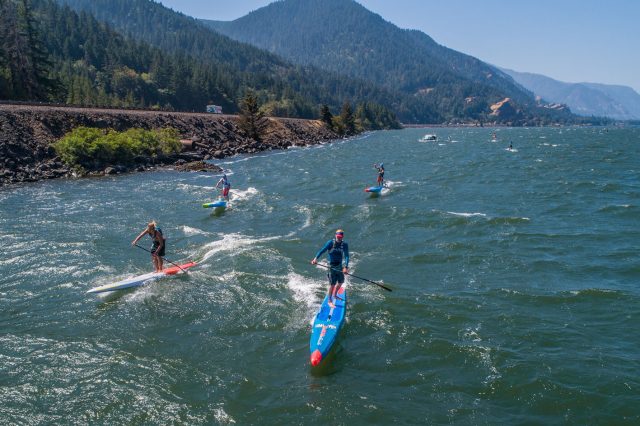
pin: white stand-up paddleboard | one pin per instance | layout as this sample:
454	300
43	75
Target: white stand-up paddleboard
141	279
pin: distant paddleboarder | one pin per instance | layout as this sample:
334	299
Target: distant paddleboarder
380	169
337	251
158	247
226	186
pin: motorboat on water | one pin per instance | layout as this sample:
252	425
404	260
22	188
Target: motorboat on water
428	138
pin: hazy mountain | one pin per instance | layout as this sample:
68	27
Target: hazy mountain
589	99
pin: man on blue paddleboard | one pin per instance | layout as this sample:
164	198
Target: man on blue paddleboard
226	186
338	252
158	244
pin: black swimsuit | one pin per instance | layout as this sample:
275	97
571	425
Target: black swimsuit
156	243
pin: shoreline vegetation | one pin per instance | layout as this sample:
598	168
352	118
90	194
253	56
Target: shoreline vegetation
30	135
46	141
91	149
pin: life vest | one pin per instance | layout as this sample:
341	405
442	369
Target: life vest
153	237
336	252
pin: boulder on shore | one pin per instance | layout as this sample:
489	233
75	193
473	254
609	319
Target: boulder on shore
198	166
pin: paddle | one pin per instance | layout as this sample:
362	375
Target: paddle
355	276
149	251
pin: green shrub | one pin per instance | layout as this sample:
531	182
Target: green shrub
92	148
169	139
78	146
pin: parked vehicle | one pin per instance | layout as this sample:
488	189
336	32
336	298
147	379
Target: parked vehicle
214	109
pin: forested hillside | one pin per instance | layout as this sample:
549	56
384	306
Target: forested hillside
52	53
284	89
137	53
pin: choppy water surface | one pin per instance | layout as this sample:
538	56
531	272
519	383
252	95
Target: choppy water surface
515	278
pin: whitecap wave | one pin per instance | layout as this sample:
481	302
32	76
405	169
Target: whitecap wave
389	184
222	417
236	243
464	214
239	194
189	231
306	212
305	291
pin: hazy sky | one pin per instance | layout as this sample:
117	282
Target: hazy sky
569	40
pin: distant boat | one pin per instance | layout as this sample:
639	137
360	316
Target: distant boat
428	138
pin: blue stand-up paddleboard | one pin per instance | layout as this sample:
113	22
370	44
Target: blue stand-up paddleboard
374	189
220	204
326	326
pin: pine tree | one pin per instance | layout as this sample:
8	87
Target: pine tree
13	42
43	87
326	116
4	63
347	118
28	67
251	119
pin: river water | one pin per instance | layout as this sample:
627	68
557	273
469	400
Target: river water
514	274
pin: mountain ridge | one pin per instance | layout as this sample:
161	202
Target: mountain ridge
343	36
586	99
351	17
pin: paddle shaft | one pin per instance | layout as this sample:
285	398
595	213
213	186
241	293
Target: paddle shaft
149	251
355	276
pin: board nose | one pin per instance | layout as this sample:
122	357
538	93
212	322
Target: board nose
316	357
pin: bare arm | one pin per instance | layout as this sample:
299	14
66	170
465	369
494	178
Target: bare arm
138	237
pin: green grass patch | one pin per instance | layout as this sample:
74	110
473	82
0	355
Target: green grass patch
93	149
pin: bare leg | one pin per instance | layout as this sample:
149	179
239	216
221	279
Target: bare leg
156	263
336	290
330	294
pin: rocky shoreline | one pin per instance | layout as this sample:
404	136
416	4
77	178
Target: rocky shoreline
27	132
